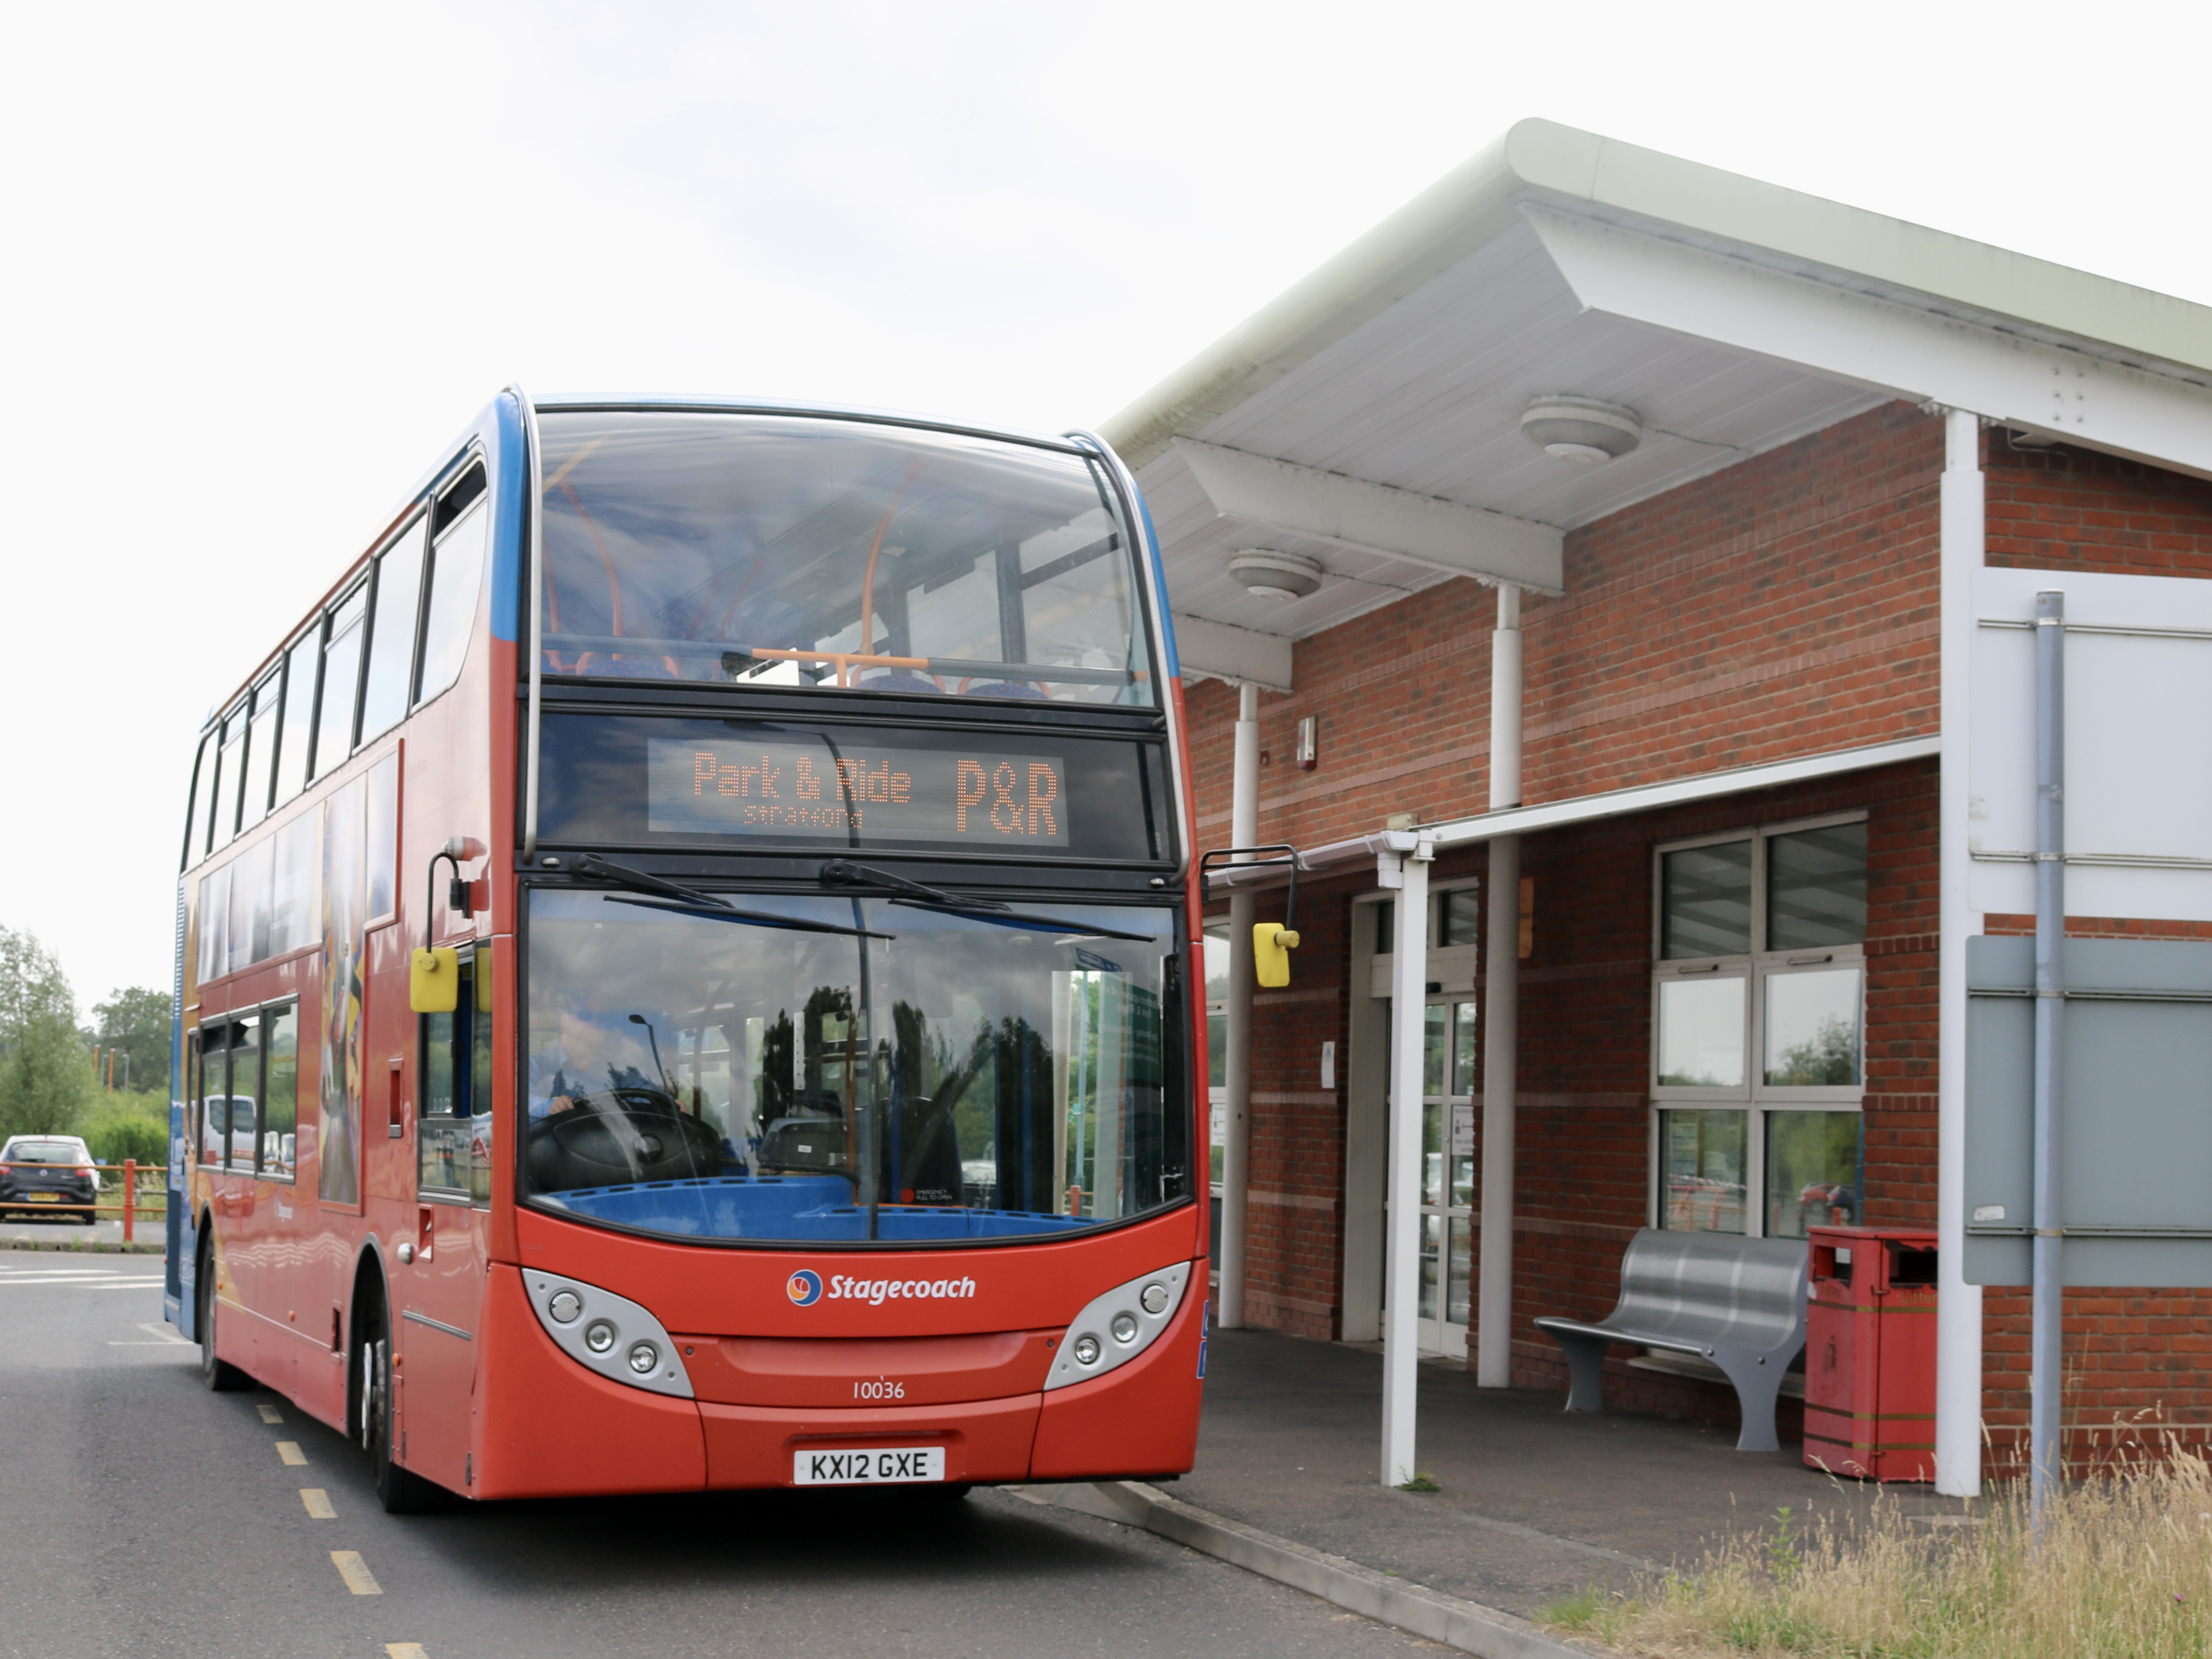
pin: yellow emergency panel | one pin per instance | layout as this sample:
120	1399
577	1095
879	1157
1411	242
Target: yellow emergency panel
434	980
1271	945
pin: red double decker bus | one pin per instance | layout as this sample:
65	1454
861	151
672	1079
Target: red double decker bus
686	971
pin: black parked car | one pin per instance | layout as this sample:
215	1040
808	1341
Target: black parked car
48	1172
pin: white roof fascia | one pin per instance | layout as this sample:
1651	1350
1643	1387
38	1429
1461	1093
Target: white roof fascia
1916	354
1542	164
1243	656
1451	535
1585	809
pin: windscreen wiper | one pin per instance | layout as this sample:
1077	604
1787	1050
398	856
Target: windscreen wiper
691	901
844	873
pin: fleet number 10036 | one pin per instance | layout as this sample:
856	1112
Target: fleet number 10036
879	1389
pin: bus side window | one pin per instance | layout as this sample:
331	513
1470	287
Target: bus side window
245	1093
215	1093
280	1091
476	995
447	1074
194	1098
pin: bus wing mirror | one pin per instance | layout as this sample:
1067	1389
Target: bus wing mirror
434	980
1271	945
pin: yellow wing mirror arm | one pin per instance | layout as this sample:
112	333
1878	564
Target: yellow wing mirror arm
1271	942
433	973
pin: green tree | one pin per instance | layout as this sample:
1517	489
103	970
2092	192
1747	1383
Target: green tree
46	1075
136	1024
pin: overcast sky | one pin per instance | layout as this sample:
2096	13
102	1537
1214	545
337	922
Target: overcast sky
259	264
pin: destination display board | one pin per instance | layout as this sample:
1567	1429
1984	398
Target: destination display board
769	787
784	791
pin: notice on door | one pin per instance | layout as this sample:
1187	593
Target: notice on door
810	791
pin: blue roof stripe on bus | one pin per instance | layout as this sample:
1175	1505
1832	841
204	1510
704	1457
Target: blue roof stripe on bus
1159	583
510	474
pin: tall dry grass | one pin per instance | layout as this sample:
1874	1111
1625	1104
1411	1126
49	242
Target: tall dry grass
2123	1570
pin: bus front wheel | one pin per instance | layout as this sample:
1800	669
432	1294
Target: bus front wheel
218	1374
400	1490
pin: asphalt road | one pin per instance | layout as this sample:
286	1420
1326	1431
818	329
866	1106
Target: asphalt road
145	1516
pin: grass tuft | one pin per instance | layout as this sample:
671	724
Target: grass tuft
2123	1570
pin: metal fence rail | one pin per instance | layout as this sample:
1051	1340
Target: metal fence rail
146	1184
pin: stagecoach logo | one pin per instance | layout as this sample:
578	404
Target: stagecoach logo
804	1288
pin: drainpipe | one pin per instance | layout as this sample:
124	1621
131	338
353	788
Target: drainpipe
1958	1305
1401	1264
2046	1302
1243	911
1501	1009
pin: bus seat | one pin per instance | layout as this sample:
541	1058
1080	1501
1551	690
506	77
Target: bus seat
1025	692
899	679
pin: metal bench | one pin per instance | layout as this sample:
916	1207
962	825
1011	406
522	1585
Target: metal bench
1737	1301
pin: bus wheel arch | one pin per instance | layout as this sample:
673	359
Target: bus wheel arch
217	1375
369	1394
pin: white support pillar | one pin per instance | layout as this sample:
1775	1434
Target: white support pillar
1401	1270
1501	1009
1237	1069
1958	1305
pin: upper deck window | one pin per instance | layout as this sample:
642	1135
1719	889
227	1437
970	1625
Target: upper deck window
779	550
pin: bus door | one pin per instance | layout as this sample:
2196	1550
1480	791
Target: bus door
439	1295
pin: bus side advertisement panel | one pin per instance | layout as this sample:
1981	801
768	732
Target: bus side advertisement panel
548	1428
1141	1419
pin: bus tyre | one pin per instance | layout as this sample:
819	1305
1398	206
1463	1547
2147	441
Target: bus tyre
218	1374
401	1491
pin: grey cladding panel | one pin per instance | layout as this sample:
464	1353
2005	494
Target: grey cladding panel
2135	1120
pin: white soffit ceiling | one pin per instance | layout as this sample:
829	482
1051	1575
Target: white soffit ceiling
1427	397
1731	315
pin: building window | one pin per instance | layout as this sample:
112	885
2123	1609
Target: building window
1758	1003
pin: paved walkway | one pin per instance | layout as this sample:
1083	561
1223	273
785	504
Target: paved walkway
1536	1503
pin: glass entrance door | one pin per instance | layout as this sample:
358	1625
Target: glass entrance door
1447	1176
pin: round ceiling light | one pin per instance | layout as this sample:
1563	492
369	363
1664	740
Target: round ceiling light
1581	429
1274	575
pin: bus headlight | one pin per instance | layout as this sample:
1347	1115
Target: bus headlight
622	1340
1133	1316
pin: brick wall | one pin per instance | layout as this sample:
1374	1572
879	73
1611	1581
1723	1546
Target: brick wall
1583	1163
1786	606
2138	1362
2060	509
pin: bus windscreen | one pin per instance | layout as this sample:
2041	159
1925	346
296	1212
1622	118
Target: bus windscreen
778	551
825	1070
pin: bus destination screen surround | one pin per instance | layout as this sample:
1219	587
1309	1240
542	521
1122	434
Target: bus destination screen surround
791	791
614	780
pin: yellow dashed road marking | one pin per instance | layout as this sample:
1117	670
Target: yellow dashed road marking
404	1650
290	1452
355	1570
319	1503
270	1414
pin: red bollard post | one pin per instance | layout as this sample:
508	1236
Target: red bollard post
130	1196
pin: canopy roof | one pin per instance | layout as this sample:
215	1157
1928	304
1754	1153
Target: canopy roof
1730	316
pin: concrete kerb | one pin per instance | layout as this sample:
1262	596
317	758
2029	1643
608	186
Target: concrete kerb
1467	1626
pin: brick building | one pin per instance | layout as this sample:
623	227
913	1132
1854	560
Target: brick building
1589	561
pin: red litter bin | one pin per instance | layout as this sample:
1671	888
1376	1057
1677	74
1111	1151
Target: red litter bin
1870	1354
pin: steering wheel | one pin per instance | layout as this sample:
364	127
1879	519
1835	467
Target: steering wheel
616	1137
